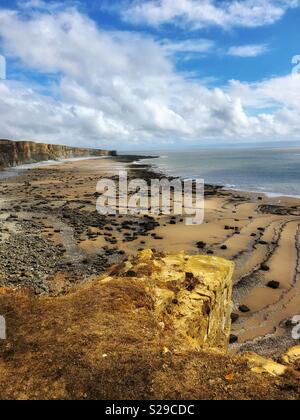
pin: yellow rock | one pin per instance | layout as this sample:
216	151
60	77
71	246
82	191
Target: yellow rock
192	295
291	356
259	364
146	255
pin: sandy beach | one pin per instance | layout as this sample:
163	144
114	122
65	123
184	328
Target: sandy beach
53	242
56	206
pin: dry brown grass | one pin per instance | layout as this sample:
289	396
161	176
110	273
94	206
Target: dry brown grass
102	341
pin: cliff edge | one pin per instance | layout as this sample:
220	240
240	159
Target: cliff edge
15	153
191	296
154	327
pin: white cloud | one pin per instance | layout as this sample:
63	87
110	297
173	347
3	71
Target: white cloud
197	46
110	94
248	50
195	14
273	93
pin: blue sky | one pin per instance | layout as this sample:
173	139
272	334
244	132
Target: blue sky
281	38
157	73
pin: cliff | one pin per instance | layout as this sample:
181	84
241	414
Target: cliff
191	296
19	153
155	327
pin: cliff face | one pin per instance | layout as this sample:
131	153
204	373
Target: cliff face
191	296
24	152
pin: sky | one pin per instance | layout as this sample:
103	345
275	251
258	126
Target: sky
150	74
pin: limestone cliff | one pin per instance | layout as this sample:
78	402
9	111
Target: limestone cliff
19	153
192	296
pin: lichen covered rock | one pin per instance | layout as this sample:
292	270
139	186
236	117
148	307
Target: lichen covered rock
192	296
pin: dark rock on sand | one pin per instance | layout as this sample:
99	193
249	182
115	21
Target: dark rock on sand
273	285
233	339
264	267
244	309
201	245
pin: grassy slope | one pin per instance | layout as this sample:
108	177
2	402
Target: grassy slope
103	342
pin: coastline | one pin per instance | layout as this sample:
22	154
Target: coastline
272	175
140	161
54	242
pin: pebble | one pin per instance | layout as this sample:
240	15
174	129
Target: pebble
273	285
233	339
244	309
264	267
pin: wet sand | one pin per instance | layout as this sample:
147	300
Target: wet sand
52	239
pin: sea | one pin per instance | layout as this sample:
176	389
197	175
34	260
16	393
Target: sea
272	171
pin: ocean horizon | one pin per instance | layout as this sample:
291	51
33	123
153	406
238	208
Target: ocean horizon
271	171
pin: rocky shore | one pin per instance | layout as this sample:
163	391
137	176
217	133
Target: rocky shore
42	230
